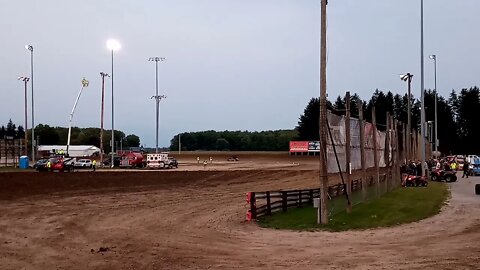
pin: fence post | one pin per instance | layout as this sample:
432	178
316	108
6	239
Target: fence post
284	201
269	207
253	206
299	198
362	150
310	197
347	151
388	157
375	151
396	156
404	144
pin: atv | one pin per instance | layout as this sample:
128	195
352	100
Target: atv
439	175
415	181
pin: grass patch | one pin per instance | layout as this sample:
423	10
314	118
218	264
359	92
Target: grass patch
402	205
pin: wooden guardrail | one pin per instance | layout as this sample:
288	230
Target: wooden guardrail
268	202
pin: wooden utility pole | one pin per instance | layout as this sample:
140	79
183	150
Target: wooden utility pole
322	216
404	144
409	121
388	163
362	150
387	140
375	151
396	174
347	151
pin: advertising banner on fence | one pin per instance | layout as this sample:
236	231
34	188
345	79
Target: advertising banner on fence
314	146
298	147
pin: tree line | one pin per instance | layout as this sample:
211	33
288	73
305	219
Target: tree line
12	131
211	140
47	135
458	125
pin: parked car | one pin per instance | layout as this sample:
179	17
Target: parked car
83	163
475	167
41	165
116	162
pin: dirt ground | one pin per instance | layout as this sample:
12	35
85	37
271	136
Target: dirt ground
194	217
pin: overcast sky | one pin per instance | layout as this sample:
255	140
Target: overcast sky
231	64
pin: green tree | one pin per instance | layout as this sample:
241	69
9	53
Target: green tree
20	134
10	131
222	144
132	140
469	128
308	124
47	135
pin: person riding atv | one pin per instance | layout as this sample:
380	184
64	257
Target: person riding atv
439	175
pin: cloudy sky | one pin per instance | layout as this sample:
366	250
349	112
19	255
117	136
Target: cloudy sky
231	64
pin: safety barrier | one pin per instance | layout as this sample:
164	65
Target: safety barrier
268	202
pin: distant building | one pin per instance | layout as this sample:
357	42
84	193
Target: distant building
74	150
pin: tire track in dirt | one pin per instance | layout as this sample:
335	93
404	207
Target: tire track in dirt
178	220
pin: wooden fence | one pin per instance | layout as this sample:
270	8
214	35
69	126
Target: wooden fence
268	202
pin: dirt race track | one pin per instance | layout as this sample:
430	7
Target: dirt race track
193	217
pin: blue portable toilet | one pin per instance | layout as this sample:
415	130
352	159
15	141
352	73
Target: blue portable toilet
23	162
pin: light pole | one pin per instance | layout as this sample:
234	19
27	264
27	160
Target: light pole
84	84
422	89
157	98
157	109
25	80
103	75
434	58
30	48
113	45
408	78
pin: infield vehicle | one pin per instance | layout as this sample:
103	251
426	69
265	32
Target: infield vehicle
60	164
41	165
83	163
161	161
132	160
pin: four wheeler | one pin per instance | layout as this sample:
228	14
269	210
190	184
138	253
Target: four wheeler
448	176
233	158
415	181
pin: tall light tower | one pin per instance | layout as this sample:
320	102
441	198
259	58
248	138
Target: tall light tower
113	45
103	75
434	58
25	80
30	48
157	98
422	89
